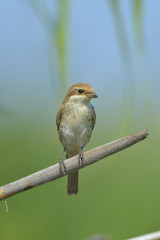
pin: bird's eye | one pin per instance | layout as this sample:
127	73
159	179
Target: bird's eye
80	91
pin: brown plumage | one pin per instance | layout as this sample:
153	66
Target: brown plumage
75	121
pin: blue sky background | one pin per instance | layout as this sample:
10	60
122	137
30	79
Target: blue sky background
94	55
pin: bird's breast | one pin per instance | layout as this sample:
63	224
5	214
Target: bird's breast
77	117
76	126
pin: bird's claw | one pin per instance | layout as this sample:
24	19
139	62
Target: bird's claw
81	158
62	167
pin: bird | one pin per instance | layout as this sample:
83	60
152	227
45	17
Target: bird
75	121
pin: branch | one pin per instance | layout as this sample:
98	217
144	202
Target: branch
150	236
72	164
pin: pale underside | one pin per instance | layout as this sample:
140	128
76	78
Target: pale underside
76	125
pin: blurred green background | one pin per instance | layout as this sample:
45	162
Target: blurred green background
45	46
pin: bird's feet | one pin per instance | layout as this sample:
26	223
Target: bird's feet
81	158
62	167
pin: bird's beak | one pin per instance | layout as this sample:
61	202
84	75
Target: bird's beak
94	95
91	95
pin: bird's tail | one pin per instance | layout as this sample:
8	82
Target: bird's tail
72	187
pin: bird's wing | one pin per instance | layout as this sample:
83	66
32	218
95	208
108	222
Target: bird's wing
93	118
58	117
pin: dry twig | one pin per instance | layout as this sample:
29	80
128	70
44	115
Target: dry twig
52	173
150	236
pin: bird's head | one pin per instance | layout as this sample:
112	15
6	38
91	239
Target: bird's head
81	93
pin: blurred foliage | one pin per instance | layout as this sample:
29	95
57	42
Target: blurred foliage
56	30
129	88
120	28
61	39
122	36
137	19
